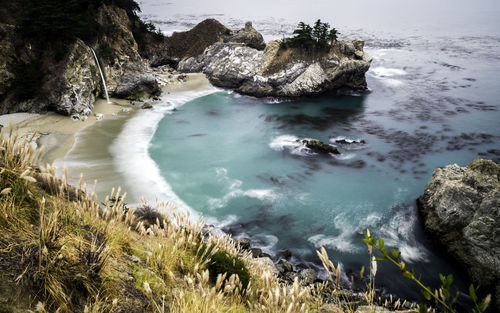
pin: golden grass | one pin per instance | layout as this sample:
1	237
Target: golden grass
67	253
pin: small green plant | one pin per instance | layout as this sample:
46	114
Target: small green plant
222	262
441	296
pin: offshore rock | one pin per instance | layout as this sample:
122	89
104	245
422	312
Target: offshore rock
280	71
318	146
461	209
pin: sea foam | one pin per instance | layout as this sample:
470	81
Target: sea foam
130	149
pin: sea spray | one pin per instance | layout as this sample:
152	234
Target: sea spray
102	76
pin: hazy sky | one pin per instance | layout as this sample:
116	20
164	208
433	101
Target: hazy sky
453	17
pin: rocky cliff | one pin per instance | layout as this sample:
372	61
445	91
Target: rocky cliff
461	210
242	61
63	76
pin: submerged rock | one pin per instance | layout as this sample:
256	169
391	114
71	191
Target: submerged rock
461	210
240	63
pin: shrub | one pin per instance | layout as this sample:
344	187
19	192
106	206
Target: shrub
222	262
149	216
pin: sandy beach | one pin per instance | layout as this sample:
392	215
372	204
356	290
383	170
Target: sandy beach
56	133
82	146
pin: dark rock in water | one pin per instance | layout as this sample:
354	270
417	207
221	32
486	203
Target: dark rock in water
319	146
353	164
243	242
256	252
248	36
284	254
136	86
350	142
461	210
147	106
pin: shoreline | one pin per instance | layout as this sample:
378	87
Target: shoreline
57	133
94	150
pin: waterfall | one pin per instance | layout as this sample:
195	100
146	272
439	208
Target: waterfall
102	76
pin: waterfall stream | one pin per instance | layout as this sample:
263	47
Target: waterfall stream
102	76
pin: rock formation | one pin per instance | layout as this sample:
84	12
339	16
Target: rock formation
318	146
71	81
247	36
239	62
461	210
191	43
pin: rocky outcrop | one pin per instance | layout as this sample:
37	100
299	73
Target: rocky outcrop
124	67
461	210
280	71
7	53
247	36
69	82
75	91
187	44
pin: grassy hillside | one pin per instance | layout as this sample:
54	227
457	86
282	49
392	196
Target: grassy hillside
60	250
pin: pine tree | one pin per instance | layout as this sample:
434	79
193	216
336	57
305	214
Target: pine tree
333	35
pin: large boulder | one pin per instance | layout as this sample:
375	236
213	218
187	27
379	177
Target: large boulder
137	86
247	36
280	71
461	210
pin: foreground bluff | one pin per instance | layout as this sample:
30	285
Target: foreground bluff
461	209
241	62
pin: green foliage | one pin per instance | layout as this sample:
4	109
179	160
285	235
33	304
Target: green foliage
63	21
308	37
442	296
142	31
222	262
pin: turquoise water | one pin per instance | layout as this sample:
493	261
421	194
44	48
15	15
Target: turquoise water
235	158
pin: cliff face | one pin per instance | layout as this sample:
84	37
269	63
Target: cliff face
240	61
461	209
37	78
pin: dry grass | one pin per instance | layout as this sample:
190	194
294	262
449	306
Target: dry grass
64	252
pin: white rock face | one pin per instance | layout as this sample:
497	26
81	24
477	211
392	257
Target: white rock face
272	73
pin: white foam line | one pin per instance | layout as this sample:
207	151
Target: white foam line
130	150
